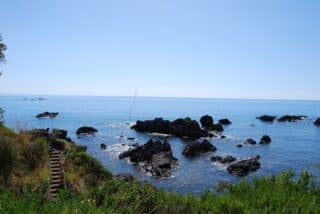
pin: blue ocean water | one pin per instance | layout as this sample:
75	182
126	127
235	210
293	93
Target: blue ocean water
294	146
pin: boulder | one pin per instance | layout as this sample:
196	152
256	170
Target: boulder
223	160
225	121
47	115
239	145
86	130
59	133
206	121
250	141
103	146
265	139
291	118
267	118
216	127
196	148
156	157
182	128
127	177
243	167
317	122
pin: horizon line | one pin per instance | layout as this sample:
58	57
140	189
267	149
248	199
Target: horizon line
163	97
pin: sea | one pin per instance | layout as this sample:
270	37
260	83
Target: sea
294	146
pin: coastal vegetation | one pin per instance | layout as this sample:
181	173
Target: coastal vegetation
91	189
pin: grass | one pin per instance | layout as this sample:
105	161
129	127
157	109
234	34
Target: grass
91	189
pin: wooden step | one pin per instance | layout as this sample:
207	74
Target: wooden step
55	186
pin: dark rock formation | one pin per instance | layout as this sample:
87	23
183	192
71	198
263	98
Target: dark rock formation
317	122
216	127
85	130
223	160
291	118
183	128
103	146
239	145
267	118
265	139
59	133
223	137
250	141
47	115
155	155
130	138
243	167
124	177
206	121
196	148
225	121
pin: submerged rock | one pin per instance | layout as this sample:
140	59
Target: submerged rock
47	115
196	148
250	141
182	128
267	118
225	121
243	167
86	130
317	122
239	145
265	139
291	118
156	157
223	160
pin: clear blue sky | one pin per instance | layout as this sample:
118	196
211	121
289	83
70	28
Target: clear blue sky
219	49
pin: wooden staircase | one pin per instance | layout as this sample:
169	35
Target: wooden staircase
56	171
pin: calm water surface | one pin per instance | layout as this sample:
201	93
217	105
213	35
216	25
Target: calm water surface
294	146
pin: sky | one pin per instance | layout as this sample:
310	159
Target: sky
267	49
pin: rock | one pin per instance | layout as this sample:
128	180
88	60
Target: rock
35	133
217	127
265	139
291	118
206	121
225	121
130	138
156	157
124	177
135	144
196	148
47	115
59	133
103	146
243	167
239	145
182	128
85	130
267	118
250	141
223	160
223	137
317	122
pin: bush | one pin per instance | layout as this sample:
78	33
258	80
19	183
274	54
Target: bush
34	153
7	158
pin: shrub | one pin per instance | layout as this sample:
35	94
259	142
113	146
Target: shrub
34	153
7	158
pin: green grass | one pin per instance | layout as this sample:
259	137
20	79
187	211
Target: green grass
91	189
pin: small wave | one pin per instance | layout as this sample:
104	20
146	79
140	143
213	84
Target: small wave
117	149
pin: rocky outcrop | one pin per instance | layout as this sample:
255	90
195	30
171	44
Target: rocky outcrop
206	121
317	122
225	121
182	128
103	146
86	130
127	177
59	133
243	167
291	118
265	139
197	148
47	115
155	156
223	160
267	118
217	127
250	141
